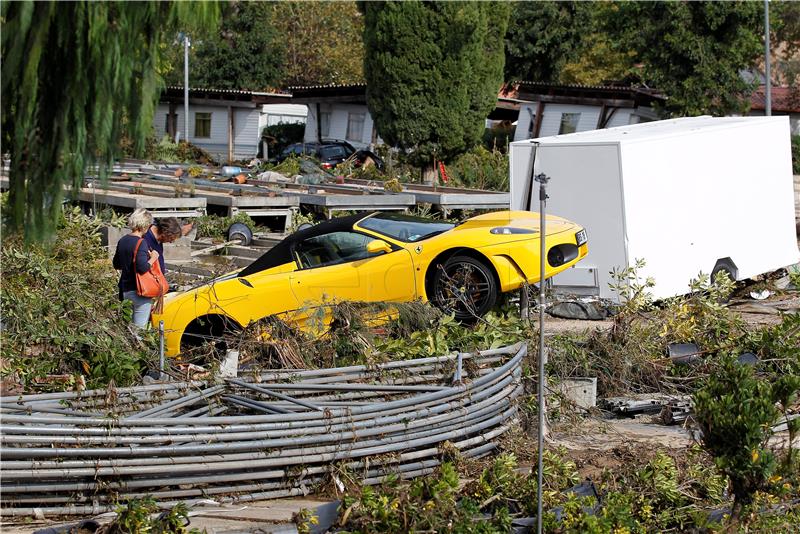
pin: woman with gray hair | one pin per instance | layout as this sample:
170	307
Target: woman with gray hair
139	222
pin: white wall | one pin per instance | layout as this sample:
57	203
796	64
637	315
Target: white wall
245	127
551	118
338	124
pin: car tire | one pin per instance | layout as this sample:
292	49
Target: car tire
465	287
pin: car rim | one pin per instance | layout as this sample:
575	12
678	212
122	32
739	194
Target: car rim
463	289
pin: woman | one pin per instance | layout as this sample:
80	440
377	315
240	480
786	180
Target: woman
164	231
139	222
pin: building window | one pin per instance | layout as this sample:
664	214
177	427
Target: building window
325	124
569	123
202	125
355	126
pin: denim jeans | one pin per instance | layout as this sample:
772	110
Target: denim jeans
141	308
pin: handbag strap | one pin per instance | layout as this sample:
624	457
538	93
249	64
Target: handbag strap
136	253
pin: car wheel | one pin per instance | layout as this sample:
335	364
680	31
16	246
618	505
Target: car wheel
465	287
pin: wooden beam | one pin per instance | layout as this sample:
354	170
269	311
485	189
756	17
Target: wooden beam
583	101
230	134
211	102
537	121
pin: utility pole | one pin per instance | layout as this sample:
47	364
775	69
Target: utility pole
767	81
186	87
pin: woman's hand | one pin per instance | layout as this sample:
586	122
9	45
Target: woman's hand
152	256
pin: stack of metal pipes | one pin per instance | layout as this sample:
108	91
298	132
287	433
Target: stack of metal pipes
266	435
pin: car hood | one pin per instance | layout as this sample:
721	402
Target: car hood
516	219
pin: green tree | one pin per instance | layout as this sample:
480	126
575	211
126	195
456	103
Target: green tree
544	36
433	70
245	51
692	51
323	42
785	41
72	72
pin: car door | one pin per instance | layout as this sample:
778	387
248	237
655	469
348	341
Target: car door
337	267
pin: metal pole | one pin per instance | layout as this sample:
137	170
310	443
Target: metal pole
186	88
767	76
542	179
160	349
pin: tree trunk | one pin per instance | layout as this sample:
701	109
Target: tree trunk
429	174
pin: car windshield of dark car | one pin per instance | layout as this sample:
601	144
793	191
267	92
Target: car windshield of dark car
405	227
332	152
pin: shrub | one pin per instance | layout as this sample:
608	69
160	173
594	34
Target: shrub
481	168
61	313
796	154
735	410
215	227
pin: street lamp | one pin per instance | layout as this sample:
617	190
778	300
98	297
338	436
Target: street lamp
185	38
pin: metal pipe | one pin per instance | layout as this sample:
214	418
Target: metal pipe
542	179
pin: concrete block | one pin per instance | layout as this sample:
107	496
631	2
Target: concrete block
581	391
229	368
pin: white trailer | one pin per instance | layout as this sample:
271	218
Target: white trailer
688	195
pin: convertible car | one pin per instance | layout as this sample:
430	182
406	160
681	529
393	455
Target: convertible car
377	257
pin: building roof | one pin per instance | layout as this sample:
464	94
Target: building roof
174	93
353	93
612	95
784	99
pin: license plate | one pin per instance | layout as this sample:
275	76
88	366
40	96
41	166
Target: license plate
580	237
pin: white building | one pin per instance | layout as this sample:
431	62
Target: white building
538	109
551	109
337	112
225	123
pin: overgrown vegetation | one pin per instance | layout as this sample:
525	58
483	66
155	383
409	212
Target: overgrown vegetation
651	491
796	154
141	516
736	410
216	227
168	151
481	168
61	313
349	333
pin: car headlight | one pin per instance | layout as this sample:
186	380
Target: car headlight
509	230
580	237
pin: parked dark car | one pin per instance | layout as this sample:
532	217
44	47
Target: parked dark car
330	153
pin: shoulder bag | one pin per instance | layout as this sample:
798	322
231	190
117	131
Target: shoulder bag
153	283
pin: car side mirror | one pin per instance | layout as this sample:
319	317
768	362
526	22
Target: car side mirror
378	245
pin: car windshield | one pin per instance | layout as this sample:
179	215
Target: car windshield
331	152
405	227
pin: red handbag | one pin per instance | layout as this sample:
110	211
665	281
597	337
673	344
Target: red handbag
151	284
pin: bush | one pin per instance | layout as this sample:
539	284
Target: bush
796	154
183	152
480	168
216	227
736	410
61	312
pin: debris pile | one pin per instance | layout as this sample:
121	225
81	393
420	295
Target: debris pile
278	434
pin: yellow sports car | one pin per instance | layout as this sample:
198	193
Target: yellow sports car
377	257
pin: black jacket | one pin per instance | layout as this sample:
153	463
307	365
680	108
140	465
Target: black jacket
123	261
